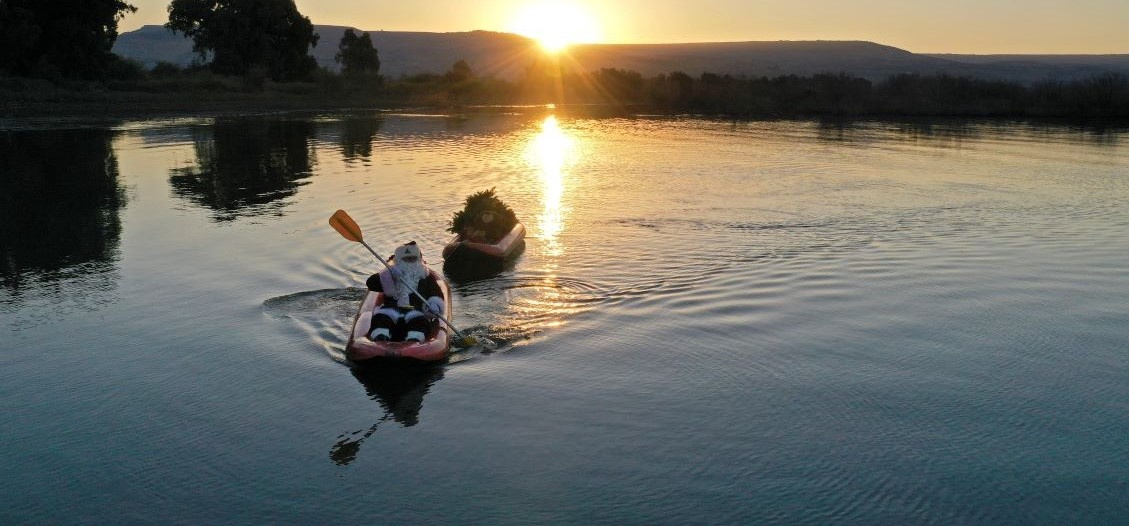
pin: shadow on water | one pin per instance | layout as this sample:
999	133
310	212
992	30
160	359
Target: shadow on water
944	133
955	132
60	204
1098	133
247	167
466	266
399	392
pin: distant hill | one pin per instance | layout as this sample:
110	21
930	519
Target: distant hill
770	59
502	55
507	55
152	44
401	53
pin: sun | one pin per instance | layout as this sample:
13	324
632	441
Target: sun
555	25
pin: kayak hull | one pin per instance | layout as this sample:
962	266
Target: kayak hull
361	348
507	247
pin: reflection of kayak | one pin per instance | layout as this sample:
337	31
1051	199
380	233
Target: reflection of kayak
509	245
398	390
436	347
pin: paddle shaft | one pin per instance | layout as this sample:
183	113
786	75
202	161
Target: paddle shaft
414	291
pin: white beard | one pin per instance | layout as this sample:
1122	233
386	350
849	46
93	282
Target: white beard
409	276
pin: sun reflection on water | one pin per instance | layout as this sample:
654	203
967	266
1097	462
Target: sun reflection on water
551	150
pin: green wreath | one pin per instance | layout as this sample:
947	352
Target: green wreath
483	216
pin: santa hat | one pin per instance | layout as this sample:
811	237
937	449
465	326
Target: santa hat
408	252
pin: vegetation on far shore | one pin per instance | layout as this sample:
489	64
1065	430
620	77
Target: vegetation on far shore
167	88
42	73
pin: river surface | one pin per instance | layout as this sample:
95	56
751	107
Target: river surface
712	323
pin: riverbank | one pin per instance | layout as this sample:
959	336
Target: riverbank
54	107
31	103
202	94
102	106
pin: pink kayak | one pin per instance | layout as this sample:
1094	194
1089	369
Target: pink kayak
504	248
436	347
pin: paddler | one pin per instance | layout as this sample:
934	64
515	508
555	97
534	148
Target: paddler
402	312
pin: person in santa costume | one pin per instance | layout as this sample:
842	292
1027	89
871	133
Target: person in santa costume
403	312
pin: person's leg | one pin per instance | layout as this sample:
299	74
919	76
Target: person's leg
383	320
415	322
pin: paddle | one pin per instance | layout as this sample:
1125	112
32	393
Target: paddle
344	225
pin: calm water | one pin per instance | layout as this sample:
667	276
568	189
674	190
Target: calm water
716	323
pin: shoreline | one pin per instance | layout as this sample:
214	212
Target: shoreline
111	106
62	108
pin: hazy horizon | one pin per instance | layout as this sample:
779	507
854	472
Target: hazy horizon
961	27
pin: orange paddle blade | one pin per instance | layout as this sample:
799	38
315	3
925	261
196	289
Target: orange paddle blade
344	225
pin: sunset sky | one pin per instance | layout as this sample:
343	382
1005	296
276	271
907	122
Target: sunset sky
950	26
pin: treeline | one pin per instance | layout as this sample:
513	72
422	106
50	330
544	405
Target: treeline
841	94
257	46
1103	96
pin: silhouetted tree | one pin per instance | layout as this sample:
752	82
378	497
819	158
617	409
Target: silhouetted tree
356	54
542	81
619	85
459	72
165	69
1106	94
59	38
913	94
673	90
244	35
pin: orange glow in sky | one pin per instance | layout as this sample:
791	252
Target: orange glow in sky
954	26
555	24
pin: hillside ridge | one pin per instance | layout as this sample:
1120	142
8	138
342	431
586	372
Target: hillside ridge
507	56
